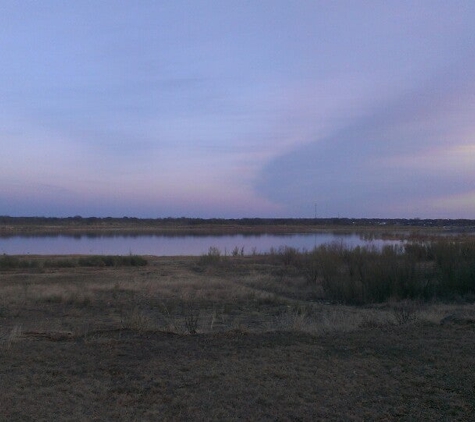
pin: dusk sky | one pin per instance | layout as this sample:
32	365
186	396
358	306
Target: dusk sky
237	108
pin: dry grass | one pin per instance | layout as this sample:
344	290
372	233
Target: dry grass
239	339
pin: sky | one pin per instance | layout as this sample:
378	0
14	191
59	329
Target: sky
237	108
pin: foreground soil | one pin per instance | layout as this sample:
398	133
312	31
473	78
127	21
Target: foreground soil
409	373
182	340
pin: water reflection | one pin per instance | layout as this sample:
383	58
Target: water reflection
174	244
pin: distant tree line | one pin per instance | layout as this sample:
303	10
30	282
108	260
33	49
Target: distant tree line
185	221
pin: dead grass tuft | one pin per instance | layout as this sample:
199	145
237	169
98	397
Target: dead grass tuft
12	337
136	320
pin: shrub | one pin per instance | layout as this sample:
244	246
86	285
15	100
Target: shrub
289	256
8	262
112	261
91	261
133	261
212	257
442	269
59	263
236	251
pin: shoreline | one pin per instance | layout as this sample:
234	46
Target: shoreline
78	226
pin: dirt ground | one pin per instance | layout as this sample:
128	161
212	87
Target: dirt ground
183	339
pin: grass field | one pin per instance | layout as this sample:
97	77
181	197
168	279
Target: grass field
213	338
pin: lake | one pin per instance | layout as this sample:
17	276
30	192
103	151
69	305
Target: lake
167	245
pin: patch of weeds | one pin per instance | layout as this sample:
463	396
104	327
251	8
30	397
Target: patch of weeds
238	251
112	261
226	308
77	299
25	287
131	261
371	320
8	262
74	298
212	257
302	309
170	320
338	320
3	310
264	300
214	317
59	263
116	290
191	317
289	256
14	335
239	328
136	320
53	298
94	261
404	313
292	320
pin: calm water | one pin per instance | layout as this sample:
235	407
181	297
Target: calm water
162	245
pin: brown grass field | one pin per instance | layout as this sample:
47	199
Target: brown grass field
187	338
